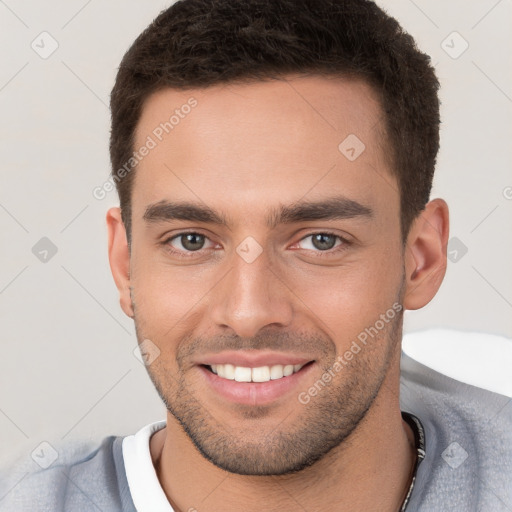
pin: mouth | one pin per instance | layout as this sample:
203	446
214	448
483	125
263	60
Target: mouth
259	374
249	383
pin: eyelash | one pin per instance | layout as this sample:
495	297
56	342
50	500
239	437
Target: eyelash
320	254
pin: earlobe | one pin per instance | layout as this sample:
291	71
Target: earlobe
119	258
425	256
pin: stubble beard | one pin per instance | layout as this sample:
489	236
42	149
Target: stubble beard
319	426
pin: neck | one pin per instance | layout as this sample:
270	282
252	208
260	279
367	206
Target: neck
370	470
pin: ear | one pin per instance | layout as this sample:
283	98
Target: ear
425	256
119	258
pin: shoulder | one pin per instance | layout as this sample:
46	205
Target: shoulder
468	437
66	476
440	397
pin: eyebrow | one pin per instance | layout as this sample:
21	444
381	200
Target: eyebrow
334	208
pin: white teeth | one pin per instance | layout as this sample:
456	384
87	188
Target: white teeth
229	371
288	370
242	374
260	374
276	372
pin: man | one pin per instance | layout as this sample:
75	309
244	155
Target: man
274	160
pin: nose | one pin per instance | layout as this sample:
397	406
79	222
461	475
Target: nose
251	297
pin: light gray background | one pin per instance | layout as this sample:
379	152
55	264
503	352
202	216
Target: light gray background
67	368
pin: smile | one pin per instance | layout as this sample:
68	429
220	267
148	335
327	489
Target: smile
254	382
259	374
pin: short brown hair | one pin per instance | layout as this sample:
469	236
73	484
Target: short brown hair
197	43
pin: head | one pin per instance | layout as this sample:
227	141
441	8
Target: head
278	157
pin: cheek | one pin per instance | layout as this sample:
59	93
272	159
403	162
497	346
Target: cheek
345	300
167	299
171	301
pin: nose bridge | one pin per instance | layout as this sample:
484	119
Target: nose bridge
251	295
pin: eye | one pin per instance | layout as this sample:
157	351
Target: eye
187	242
323	242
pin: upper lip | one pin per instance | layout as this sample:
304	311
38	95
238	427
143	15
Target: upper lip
254	359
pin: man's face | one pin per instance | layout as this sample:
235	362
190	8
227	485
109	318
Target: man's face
275	285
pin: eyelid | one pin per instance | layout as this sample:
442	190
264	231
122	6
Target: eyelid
345	242
169	239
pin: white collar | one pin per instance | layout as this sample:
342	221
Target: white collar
147	493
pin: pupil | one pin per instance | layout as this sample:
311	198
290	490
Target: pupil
324	241
192	241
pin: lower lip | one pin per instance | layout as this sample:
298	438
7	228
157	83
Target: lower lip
254	393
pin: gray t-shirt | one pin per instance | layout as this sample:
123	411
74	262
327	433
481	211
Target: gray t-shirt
467	465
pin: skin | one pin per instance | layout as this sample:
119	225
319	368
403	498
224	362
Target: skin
244	151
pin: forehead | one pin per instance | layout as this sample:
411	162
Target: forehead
312	105
274	140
